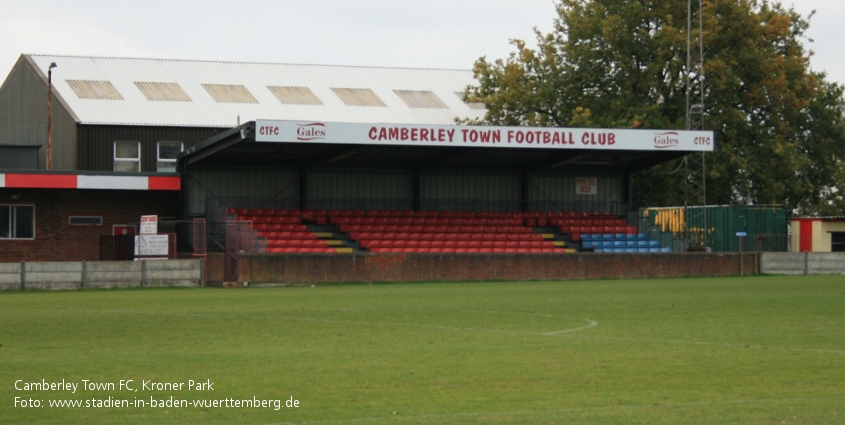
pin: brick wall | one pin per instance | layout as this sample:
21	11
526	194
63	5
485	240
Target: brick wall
214	267
315	268
56	240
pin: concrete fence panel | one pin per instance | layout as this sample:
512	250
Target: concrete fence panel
113	274
173	273
53	275
100	274
799	263
788	263
826	263
10	276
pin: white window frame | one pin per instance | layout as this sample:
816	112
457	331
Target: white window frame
12	224
160	160
127	160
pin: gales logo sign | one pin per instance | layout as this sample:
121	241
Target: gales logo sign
311	131
665	140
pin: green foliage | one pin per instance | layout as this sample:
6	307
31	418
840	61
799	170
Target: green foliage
622	64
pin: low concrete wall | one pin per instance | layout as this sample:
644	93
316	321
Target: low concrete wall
326	268
100	274
799	263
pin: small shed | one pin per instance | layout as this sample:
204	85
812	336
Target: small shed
818	234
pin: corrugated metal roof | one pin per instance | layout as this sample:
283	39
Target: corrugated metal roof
197	105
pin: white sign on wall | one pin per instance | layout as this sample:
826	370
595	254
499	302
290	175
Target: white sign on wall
586	186
151	246
149	224
483	136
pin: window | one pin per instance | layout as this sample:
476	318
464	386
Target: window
127	156
103	90
226	93
358	97
420	99
168	152
837	241
17	222
163	92
472	105
295	95
85	220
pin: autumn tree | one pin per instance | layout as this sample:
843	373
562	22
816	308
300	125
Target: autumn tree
623	64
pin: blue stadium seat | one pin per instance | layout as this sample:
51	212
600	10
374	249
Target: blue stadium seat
666	249
654	244
643	250
586	244
642	237
631	250
608	237
654	249
631	244
619	244
642	244
621	237
586	237
631	236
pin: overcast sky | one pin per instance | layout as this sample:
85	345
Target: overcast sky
395	33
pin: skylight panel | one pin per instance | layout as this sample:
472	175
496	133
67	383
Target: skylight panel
472	105
295	95
225	93
163	92
421	99
89	89
358	97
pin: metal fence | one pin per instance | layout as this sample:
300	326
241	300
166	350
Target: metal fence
729	228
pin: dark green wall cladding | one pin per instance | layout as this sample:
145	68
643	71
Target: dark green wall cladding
96	143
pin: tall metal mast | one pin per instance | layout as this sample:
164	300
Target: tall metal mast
695	187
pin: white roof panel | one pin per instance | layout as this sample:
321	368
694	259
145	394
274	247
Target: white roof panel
203	111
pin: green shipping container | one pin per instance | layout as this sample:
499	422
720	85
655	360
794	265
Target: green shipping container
765	226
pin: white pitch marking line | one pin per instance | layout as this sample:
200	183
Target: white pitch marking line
591	323
570	333
712	344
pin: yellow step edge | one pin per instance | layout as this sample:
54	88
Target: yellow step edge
324	235
559	243
569	250
548	235
334	243
344	250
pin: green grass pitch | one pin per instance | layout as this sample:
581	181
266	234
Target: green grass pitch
754	350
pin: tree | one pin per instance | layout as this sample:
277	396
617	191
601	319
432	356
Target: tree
622	64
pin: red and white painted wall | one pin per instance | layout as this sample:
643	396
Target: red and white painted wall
62	216
818	234
87	181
